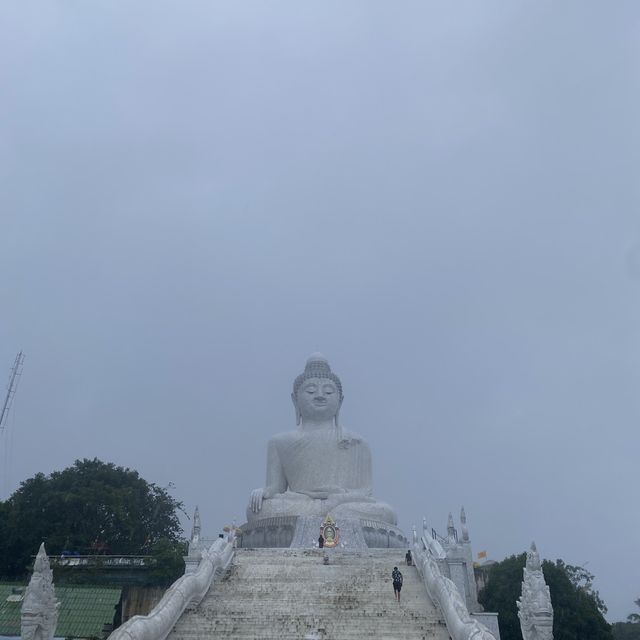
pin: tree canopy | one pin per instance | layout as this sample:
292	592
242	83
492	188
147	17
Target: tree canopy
578	609
90	507
629	630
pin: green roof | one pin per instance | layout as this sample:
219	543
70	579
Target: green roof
84	610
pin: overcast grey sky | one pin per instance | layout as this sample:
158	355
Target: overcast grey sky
442	197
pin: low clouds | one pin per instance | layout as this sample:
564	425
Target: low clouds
439	197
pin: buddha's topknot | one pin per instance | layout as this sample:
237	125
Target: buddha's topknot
317	367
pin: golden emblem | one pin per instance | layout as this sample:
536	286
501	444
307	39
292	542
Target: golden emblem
330	532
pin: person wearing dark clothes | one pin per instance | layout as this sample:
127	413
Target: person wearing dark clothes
396	576
408	558
320	541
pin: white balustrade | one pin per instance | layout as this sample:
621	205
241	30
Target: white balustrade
445	594
189	590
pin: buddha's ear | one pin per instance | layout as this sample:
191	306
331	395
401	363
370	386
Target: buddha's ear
298	414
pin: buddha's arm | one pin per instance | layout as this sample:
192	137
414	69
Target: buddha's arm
365	484
276	480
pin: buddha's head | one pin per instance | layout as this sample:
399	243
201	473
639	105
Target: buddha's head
317	392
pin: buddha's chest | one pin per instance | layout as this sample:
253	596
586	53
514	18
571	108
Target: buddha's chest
315	459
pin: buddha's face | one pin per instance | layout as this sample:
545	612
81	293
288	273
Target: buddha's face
318	399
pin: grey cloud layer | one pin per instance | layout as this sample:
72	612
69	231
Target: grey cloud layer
440	197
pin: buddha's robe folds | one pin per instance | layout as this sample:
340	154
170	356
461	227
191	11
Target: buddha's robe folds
313	473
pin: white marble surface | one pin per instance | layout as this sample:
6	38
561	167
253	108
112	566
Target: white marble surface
184	592
39	612
534	606
460	624
319	468
285	594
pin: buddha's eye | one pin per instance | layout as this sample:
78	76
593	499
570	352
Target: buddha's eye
328	389
311	388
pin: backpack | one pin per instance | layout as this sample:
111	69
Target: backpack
397	577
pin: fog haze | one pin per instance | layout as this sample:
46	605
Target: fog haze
442	197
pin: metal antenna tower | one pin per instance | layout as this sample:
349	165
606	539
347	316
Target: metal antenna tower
12	387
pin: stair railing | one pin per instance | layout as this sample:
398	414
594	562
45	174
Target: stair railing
189	590
445	594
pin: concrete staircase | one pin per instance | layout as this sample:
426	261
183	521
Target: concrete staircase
289	593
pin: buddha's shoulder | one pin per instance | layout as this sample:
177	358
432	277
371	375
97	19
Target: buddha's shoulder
285	436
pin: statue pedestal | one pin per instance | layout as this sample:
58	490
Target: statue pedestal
302	532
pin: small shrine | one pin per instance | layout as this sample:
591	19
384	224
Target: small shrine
330	532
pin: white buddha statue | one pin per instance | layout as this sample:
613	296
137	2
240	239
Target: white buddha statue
318	468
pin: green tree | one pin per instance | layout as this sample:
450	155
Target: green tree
629	630
168	562
578	609
87	507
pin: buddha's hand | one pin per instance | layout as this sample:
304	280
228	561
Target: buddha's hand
257	496
322	493
349	496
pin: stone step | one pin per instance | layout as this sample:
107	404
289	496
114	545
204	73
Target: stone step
286	593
